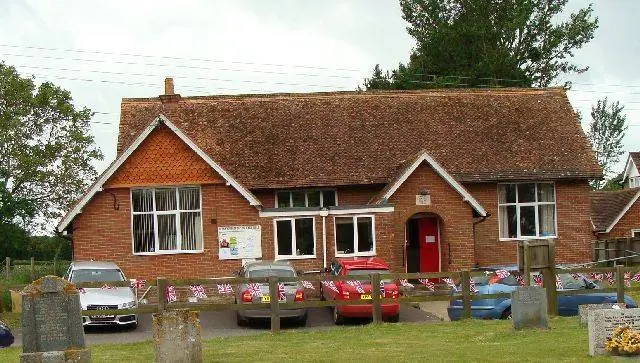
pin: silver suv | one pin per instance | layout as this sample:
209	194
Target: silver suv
105	297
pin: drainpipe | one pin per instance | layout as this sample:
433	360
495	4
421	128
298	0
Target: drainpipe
324	212
480	220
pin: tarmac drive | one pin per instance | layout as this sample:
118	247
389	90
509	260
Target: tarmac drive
223	323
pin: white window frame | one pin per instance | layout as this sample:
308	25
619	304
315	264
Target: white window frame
306	197
355	236
635	230
293	239
176	212
525	204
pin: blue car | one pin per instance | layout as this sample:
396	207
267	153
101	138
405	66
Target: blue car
500	308
6	338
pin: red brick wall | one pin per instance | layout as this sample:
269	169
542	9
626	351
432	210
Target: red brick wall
574	226
630	220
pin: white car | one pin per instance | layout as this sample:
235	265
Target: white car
103	298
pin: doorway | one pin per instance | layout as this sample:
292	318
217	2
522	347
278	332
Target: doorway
423	243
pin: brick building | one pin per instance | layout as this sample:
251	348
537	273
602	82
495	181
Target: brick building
427	180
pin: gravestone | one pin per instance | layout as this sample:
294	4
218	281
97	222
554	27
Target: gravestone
583	310
529	308
52	323
177	336
601	324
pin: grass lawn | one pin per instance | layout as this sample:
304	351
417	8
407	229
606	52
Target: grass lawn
458	341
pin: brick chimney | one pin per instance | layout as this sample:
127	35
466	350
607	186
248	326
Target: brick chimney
169	95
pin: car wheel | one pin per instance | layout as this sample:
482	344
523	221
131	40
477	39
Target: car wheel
393	318
303	320
337	318
506	315
241	321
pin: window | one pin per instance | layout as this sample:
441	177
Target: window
295	238
166	220
634	182
306	198
355	235
527	210
635	233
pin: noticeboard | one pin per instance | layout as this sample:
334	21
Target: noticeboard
239	242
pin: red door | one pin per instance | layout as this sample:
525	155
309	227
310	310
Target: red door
429	239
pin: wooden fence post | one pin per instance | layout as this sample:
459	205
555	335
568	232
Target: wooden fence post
7	265
55	266
549	282
527	263
466	294
162	291
620	283
275	304
375	296
33	269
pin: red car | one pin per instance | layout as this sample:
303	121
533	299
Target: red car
359	289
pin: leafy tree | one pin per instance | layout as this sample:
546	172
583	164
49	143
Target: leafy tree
46	151
606	132
475	42
614	183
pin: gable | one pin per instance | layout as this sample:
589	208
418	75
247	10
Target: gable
357	138
608	207
631	167
163	159
425	160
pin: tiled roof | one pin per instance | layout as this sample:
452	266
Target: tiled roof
607	206
635	156
345	138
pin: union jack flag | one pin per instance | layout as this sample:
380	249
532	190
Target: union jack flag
575	276
330	285
502	273
170	294
609	277
357	285
627	279
450	283
558	282
636	277
107	287
82	290
307	285
198	291
520	280
281	293
138	284
430	285
472	286
598	277
225	289
405	283
537	279
254	289
382	288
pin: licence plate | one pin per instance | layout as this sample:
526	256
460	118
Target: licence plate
365	297
265	298
104	316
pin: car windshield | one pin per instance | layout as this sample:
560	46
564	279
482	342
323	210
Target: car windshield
494	279
97	275
368	272
570	283
266	272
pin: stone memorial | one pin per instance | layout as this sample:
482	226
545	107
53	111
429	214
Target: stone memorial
601	324
583	310
529	308
52	323
177	336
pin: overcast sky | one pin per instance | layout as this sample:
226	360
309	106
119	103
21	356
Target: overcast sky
103	51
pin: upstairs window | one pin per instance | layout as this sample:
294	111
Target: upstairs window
355	236
166	220
527	210
306	198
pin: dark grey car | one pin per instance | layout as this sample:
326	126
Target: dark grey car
259	293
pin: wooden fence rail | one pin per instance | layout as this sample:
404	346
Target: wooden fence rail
617	251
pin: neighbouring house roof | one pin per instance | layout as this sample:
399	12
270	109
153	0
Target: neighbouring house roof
633	161
355	138
122	157
424	157
608	207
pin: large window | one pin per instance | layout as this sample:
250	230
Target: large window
527	210
355	235
306	198
166	220
295	238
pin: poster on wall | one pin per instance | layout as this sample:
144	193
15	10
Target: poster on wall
239	242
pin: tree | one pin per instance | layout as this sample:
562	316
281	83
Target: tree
606	131
475	42
46	151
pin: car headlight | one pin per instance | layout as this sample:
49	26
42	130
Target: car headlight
128	305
